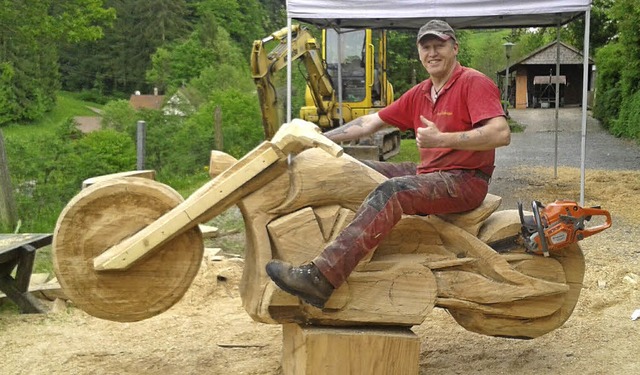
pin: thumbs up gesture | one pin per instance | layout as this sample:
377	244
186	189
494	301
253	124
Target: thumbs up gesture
428	136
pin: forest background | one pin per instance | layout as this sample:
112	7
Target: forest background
77	53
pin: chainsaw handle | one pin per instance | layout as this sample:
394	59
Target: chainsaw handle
593	211
536	207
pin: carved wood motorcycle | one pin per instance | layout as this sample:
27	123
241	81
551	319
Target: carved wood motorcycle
126	249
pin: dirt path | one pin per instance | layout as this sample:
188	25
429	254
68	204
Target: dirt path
208	332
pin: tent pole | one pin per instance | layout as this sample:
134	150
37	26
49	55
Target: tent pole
585	83
289	55
340	59
557	99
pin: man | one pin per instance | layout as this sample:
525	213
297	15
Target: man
458	121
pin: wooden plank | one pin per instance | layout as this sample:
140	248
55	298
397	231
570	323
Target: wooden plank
208	231
314	350
26	302
48	291
9	243
217	192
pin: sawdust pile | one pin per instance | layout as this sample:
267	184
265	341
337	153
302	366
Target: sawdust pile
616	191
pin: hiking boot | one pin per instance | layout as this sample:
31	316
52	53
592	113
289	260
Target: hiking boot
306	281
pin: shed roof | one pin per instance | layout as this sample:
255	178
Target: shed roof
147	101
547	55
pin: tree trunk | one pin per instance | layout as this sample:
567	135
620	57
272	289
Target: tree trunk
7	203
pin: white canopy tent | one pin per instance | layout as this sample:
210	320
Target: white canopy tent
460	14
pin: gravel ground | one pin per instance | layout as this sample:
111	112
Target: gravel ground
536	146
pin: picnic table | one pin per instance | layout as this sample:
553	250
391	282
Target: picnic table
18	251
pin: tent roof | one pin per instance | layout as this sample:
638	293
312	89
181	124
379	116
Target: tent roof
460	14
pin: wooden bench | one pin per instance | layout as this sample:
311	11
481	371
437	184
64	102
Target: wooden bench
18	251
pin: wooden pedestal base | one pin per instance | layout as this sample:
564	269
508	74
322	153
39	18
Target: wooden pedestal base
313	350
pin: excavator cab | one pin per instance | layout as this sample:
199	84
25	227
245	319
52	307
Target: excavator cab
346	61
356	64
346	78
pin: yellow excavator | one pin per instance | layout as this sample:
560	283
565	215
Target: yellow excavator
346	78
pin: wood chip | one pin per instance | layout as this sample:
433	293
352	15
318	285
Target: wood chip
230	345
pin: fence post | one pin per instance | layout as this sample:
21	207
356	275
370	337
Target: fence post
217	128
8	212
141	135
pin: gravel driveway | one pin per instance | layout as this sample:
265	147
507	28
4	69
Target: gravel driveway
536	146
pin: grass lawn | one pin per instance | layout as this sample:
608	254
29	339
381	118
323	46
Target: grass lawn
67	106
408	152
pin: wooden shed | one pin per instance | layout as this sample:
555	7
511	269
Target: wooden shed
533	78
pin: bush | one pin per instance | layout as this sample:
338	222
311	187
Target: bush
609	94
93	96
118	115
164	152
241	123
48	171
607	106
628	122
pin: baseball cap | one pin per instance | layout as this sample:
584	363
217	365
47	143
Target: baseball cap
437	28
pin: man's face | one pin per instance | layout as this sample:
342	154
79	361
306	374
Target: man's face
437	56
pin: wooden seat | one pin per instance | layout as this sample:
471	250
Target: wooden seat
471	221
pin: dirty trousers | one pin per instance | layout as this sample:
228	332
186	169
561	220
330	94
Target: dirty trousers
404	193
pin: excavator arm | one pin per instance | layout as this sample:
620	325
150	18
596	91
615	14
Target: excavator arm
265	64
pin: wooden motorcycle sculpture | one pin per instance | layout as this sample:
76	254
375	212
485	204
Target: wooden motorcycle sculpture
127	249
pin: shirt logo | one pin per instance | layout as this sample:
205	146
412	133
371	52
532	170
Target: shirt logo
444	113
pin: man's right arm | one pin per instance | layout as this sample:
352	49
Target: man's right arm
358	128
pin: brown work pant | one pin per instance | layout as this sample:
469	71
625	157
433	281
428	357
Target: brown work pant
404	193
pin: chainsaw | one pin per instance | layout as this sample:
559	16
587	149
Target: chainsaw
558	224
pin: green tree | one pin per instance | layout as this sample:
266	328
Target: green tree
404	67
28	54
118	62
627	14
487	51
208	60
276	12
243	19
602	28
118	115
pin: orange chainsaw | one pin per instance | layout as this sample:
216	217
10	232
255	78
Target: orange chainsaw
558	224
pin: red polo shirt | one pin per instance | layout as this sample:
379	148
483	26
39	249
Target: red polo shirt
468	98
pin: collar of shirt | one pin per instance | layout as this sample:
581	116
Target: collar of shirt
428	84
